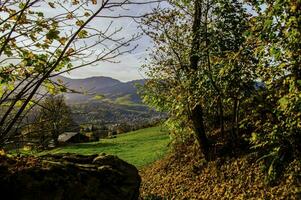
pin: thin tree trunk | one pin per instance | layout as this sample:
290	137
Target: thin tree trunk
197	112
235	120
221	115
219	93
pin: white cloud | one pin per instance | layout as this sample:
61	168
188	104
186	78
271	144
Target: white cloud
129	66
128	69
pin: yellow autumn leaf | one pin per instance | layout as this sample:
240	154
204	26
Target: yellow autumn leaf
2	152
70	51
63	40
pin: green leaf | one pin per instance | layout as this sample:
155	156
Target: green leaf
283	102
82	34
53	34
79	22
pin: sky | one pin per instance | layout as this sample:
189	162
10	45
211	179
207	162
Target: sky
129	65
126	67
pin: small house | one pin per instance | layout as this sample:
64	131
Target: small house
72	137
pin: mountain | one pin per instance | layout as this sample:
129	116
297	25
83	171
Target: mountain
107	101
101	89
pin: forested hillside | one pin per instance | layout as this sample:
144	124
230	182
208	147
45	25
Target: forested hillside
98	112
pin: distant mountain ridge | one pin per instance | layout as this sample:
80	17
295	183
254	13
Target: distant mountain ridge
106	87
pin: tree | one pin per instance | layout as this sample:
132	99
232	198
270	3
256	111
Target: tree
48	121
276	119
56	116
217	66
35	47
194	68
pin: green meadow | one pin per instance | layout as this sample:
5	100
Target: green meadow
139	148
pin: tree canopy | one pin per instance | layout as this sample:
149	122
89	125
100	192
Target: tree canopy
229	69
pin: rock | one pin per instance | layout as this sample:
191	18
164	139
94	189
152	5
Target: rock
68	176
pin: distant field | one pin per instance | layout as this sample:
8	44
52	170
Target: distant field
139	148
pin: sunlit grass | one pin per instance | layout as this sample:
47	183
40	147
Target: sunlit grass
139	148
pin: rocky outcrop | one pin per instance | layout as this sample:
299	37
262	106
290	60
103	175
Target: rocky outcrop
68	176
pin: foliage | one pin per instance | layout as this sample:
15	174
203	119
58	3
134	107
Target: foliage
277	116
224	74
233	70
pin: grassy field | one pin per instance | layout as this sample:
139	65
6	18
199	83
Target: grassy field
139	148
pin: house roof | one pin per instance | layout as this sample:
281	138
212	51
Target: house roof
66	136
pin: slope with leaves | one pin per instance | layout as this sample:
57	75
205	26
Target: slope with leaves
185	175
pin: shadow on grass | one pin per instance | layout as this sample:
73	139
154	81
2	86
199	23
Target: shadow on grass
87	145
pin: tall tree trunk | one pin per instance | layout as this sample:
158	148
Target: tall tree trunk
199	128
197	112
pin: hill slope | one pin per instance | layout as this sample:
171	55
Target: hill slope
100	86
185	175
